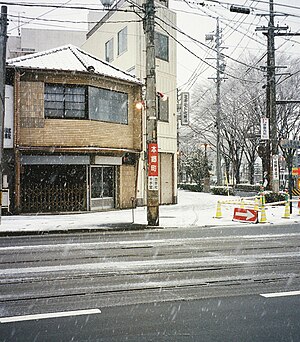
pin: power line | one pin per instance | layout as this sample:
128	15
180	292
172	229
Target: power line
212	66
72	21
199	42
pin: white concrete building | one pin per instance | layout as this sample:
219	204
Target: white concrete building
119	39
37	40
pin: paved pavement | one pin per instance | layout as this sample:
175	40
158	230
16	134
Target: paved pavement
193	210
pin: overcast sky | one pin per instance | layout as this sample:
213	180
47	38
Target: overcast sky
238	30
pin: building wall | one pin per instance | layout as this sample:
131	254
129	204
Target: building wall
133	60
35	40
35	130
45	39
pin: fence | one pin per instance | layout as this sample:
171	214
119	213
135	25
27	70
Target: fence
53	198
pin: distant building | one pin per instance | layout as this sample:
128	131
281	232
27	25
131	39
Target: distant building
119	39
73	136
37	40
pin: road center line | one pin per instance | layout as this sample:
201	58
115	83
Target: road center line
281	294
49	315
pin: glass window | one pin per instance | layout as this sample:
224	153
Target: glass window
161	46
102	179
109	50
122	40
108	105
65	101
163	109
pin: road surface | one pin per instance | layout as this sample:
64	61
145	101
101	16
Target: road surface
152	285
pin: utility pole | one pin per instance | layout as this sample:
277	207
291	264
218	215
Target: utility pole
271	101
270	158
220	66
218	104
151	117
3	40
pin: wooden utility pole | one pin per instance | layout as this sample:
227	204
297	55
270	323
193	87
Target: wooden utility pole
151	117
3	40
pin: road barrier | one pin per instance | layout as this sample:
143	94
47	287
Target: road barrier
257	203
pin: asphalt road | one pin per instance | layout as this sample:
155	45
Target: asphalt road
235	318
156	285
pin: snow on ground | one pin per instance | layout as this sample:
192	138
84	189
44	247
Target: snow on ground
193	209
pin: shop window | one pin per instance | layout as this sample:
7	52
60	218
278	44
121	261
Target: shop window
161	46
122	41
65	101
109	50
108	105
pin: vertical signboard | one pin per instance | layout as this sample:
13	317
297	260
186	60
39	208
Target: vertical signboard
8	117
264	128
185	108
275	167
153	166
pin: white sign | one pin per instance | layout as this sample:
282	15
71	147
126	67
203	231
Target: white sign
275	167
8	118
153	183
264	129
185	108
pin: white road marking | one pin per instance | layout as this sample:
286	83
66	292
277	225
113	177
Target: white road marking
49	315
281	294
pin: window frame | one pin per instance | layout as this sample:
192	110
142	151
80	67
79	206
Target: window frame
122	40
109	50
110	93
158	41
64	105
160	105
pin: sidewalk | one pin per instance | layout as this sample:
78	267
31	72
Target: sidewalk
193	210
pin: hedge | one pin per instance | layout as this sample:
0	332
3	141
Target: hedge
222	190
191	187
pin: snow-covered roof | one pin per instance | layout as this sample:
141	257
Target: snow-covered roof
70	58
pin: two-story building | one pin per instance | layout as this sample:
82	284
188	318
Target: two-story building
73	135
119	38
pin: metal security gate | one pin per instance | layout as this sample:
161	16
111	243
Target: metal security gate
102	185
53	188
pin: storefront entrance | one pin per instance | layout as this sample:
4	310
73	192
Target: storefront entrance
102	187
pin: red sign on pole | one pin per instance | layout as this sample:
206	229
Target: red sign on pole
152	160
245	215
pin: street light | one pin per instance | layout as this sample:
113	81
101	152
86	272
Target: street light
107	3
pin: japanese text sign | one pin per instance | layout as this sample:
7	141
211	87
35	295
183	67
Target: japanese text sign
152	159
